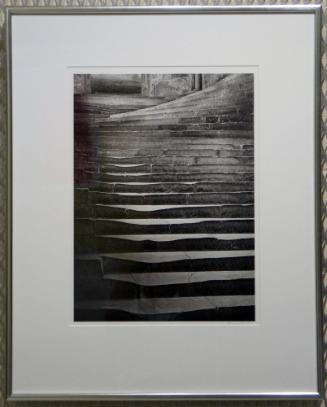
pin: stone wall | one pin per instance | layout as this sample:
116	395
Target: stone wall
82	84
167	85
149	85
175	85
210	79
117	84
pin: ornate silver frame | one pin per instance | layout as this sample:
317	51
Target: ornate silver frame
60	7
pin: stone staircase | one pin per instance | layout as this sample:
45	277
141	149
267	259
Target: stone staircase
164	208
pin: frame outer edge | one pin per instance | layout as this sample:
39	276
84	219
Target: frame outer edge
61	7
9	205
318	196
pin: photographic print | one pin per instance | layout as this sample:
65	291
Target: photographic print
164	197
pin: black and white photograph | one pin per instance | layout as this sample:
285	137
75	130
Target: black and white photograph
164	205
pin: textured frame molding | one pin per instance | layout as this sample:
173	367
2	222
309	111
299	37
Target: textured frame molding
4	209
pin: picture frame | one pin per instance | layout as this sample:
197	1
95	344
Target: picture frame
317	209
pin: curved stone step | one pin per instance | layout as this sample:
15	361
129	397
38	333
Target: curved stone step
91	226
101	244
115	103
171	305
108	164
172	148
173	187
134	152
163	164
181	117
174	166
173	199
161	157
223	263
89	272
209	211
211	136
104	244
110	145
210	123
97	266
116	290
230	176
185	110
150	279
174	159
194	113
88	311
102	226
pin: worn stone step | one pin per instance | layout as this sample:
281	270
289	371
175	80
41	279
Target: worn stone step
209	123
200	106
108	100
108	163
162	242
187	264
156	145
217	132
164	257
177	211
230	176
115	290
183	122
153	279
89	226
82	194
114	156
155	119
127	152
174	199
90	271
172	118
225	175
175	167
193	114
87	244
160	157
103	160
144	125
158	163
107	311
175	256
182	117
171	187
163	211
